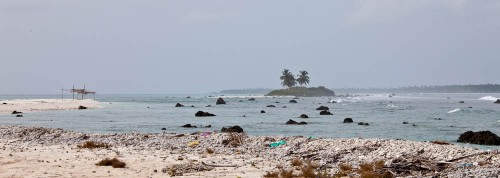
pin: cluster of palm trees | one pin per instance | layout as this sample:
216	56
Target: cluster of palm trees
288	80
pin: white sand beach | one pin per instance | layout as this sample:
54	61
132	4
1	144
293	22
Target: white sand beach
33	105
46	152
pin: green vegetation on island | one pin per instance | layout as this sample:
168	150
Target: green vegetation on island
289	81
303	92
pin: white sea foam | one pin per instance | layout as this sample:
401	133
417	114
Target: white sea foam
489	98
455	110
392	106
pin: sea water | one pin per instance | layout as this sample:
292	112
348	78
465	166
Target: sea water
429	116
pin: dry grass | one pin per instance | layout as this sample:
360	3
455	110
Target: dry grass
92	145
210	151
296	162
271	174
345	167
374	170
115	163
309	169
287	173
235	139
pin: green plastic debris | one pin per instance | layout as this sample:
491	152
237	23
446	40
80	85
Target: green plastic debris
278	143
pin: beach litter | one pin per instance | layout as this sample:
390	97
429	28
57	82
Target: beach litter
193	144
276	144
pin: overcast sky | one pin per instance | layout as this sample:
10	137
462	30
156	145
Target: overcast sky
187	47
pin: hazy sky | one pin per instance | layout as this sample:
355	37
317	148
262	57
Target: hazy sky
183	46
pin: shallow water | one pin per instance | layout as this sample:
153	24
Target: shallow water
126	113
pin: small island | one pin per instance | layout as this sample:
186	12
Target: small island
288	81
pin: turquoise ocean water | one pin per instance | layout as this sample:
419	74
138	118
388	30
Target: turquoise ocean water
150	113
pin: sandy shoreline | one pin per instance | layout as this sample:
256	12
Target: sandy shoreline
46	152
34	105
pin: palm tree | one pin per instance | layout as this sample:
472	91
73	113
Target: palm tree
288	80
302	78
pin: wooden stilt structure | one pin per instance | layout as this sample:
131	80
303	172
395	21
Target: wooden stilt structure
82	92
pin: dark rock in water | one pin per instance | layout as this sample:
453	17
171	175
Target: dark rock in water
251	99
16	112
292	101
82	107
292	122
189	126
348	120
208	126
461	102
325	113
361	123
208	106
296	98
220	101
235	128
304	116
240	101
179	105
262	111
19	115
497	102
284	106
203	114
270	106
437	118
192	106
163	128
366	123
405	122
188	97
481	138
324	108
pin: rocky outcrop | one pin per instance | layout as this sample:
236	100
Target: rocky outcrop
363	123
304	116
461	102
189	126
251	99
262	112
292	122
270	106
235	128
203	114
292	101
348	120
16	112
325	113
497	101
179	105
19	115
82	107
220	101
324	108
480	138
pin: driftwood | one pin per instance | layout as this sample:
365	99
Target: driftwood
472	155
219	165
405	167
